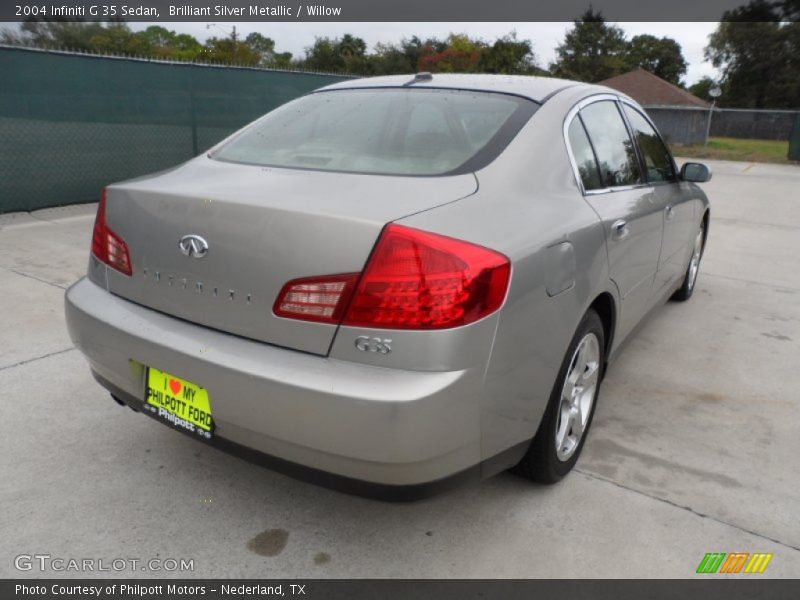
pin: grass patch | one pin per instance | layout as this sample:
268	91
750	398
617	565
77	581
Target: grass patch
771	151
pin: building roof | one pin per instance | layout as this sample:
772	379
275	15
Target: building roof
650	90
535	88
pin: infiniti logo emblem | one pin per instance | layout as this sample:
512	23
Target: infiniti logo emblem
194	246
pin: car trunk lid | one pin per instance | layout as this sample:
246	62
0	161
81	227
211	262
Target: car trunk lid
264	227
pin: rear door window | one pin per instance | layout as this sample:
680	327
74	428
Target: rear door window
656	157
584	156
616	154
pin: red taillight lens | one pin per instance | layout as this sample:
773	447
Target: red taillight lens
316	298
413	280
107	246
420	280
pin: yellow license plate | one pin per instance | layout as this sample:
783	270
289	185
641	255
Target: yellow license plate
181	403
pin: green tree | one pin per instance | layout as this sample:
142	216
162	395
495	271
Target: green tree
156	38
322	56
264	49
353	51
389	59
184	47
349	46
114	38
591	51
508	55
54	34
702	87
759	56
160	42
261	46
660	56
347	53
283	60
227	51
155	41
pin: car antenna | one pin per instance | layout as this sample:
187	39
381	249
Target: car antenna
424	76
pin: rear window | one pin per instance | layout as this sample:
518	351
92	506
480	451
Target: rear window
383	131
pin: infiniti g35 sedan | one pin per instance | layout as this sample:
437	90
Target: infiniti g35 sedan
393	284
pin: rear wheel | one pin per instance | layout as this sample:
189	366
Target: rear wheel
687	287
562	432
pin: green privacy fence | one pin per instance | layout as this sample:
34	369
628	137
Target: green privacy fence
72	123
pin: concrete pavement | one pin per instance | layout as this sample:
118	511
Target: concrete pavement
693	449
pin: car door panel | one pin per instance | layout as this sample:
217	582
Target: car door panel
678	210
679	223
631	210
633	253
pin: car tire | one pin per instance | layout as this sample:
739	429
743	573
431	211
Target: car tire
555	449
690	278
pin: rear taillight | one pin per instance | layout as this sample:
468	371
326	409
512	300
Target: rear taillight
413	280
107	246
420	280
316	298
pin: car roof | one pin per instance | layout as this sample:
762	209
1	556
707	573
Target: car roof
535	88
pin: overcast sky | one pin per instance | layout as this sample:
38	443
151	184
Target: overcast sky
295	37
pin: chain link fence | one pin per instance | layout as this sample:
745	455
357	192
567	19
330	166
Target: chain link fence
72	123
679	125
687	125
753	124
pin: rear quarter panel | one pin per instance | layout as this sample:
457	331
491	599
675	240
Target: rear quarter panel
529	207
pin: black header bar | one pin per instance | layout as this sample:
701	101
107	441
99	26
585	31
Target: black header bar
451	11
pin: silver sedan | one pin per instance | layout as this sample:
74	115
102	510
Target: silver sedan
391	285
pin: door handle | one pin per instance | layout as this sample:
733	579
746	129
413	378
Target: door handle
619	229
669	212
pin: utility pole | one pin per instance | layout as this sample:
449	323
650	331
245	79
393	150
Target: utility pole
715	92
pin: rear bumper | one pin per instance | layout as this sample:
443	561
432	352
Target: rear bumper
338	420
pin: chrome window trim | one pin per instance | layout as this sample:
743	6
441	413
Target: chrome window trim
573	112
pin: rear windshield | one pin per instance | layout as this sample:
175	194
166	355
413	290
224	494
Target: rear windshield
383	131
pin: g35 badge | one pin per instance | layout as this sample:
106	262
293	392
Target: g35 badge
373	344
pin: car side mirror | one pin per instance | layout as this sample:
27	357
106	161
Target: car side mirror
695	172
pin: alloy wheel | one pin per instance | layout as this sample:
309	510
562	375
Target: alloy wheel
694	264
577	396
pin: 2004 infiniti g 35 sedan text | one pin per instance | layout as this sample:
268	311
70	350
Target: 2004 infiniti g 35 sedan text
396	283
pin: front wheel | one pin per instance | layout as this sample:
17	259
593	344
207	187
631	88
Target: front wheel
562	432
687	287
